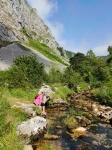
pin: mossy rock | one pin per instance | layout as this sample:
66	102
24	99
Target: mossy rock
71	123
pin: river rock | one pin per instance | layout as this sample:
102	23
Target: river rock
51	137
32	129
82	147
28	147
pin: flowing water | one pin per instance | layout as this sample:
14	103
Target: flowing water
98	135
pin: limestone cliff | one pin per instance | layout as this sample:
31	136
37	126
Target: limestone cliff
18	15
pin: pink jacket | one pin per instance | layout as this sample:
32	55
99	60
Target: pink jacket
38	99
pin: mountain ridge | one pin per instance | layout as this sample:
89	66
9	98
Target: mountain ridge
19	22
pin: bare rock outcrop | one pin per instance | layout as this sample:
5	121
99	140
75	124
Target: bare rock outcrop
32	129
17	16
27	108
46	89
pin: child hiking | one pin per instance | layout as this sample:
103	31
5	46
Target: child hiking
43	104
40	100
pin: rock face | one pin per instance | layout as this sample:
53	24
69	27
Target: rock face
32	129
18	15
46	89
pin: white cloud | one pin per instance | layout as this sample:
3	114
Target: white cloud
57	29
45	8
101	50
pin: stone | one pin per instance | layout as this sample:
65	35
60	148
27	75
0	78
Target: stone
27	108
51	137
79	130
28	147
46	89
32	129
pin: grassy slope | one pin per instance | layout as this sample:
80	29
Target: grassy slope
45	50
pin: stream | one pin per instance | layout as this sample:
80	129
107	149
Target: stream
97	137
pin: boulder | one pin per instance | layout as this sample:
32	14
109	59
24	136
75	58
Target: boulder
46	89
27	108
32	129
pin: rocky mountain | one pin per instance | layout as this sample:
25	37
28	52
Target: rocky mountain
18	15
20	22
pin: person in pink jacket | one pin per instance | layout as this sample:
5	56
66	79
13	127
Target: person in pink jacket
38	99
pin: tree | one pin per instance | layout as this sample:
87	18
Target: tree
110	54
27	71
76	60
90	54
54	76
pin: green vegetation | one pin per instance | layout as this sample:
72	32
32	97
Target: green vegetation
8	120
94	73
42	48
22	81
45	50
70	120
47	146
61	92
104	94
26	72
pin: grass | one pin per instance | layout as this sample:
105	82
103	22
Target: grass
42	48
61	91
45	50
9	118
15	95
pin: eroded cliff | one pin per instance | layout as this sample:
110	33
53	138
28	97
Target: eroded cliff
18	15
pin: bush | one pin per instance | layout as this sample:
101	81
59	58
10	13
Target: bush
54	76
72	79
26	72
104	95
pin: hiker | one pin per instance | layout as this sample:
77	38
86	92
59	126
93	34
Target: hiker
38	99
43	103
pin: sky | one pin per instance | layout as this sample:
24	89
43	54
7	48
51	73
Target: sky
78	25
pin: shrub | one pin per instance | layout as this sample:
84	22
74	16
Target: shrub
54	76
104	95
26	72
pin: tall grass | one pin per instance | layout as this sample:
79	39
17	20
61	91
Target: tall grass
18	94
61	92
9	118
